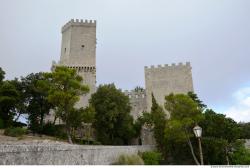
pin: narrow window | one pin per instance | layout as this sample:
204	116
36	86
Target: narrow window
65	50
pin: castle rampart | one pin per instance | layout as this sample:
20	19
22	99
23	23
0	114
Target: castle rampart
77	22
137	100
166	66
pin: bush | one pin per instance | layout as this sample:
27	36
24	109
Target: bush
15	131
151	158
49	129
54	130
129	160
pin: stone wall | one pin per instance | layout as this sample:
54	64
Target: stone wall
65	154
137	99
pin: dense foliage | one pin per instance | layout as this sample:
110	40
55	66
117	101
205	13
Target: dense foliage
64	91
36	88
113	122
151	157
245	130
185	114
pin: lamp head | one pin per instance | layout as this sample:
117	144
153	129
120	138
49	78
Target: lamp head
197	131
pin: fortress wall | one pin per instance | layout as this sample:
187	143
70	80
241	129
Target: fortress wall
137	101
89	78
65	154
163	80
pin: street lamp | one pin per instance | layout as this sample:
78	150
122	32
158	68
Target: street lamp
198	132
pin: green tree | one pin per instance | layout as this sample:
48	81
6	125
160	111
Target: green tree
21	104
8	98
65	91
245	130
195	98
2	73
36	88
81	116
239	155
159	122
12	101
219	133
185	114
113	122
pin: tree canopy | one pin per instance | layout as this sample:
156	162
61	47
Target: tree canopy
113	122
65	90
184	115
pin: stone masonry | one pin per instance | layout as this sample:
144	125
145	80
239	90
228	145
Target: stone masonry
163	80
65	154
137	101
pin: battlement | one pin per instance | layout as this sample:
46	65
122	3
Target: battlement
166	66
77	22
135	93
78	68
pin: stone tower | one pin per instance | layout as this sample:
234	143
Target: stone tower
163	80
78	51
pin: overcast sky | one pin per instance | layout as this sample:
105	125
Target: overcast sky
214	35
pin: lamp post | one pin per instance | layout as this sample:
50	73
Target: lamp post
198	132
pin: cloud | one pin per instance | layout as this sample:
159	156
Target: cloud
240	110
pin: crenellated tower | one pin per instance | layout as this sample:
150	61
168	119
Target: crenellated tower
163	80
78	51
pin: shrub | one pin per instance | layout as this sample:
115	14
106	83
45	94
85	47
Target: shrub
54	130
129	160
15	131
49	129
151	158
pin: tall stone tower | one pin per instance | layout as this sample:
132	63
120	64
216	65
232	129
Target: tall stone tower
163	80
78	51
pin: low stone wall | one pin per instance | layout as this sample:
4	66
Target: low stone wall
65	154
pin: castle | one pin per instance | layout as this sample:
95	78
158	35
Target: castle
78	51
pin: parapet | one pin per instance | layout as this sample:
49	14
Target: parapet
77	22
135	93
166	66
